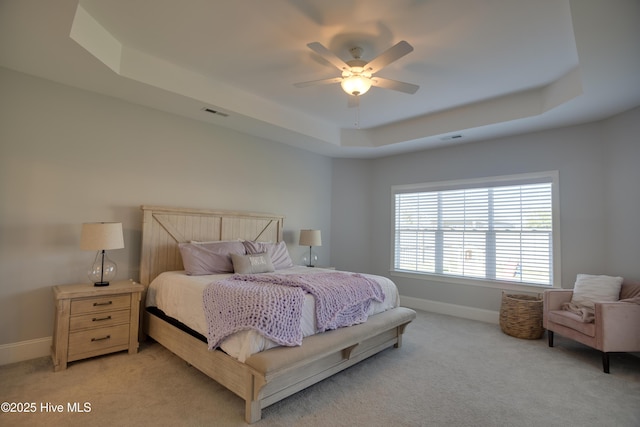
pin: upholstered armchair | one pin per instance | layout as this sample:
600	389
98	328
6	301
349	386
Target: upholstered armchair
615	326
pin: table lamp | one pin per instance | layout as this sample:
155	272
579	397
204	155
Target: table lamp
310	238
102	236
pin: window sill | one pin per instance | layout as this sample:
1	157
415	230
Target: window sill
496	284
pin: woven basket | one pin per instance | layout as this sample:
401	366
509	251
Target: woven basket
521	316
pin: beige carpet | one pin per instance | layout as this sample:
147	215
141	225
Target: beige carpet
449	372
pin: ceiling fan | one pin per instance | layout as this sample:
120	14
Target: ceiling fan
357	74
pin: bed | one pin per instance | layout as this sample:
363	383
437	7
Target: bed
260	378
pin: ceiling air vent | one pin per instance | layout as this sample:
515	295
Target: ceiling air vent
212	111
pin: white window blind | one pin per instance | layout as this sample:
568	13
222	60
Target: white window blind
491	232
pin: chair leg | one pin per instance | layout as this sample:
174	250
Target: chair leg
605	362
550	335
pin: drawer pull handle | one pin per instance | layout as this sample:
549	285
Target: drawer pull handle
101	339
96	304
99	319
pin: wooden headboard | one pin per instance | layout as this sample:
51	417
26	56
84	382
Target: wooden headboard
163	228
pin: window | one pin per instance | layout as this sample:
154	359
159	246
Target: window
495	229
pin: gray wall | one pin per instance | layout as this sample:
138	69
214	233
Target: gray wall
599	200
351	215
69	156
621	146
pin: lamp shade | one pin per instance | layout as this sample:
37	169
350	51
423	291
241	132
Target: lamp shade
310	238
96	236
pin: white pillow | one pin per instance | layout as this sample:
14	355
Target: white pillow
589	289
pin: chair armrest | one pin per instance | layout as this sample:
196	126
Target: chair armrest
617	326
554	298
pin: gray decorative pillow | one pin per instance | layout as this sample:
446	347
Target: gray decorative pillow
589	289
277	251
209	258
252	264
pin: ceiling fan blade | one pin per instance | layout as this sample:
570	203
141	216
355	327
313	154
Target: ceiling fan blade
388	56
353	101
319	82
328	55
395	85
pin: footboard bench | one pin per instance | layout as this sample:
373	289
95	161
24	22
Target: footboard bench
282	371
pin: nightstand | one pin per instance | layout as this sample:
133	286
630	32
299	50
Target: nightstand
91	321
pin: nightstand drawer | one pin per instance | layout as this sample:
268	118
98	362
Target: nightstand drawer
96	340
99	320
94	305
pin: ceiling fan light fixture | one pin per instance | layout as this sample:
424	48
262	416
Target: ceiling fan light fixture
357	74
356	85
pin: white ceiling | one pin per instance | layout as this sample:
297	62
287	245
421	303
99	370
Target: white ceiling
486	68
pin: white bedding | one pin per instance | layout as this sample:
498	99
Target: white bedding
180	296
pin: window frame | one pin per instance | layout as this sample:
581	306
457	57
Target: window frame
485	182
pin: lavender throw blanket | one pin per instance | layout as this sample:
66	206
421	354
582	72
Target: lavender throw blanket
232	306
272	304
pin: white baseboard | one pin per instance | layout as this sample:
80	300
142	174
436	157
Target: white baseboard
25	350
451	309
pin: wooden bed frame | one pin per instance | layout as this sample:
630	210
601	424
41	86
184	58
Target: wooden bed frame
269	376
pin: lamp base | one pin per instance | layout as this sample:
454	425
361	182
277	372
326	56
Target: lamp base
102	270
310	259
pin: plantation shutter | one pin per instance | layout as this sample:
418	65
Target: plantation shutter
501	232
